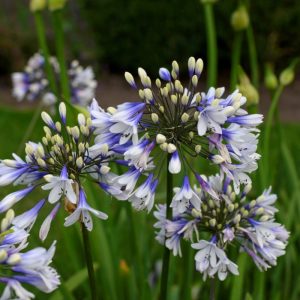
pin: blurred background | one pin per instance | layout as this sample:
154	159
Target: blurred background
113	36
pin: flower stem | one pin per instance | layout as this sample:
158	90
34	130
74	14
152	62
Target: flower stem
212	53
89	262
212	295
45	52
252	56
267	134
60	52
166	256
235	59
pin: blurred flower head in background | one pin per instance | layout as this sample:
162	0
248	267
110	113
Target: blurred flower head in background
32	83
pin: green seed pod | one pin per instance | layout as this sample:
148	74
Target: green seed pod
56	4
37	5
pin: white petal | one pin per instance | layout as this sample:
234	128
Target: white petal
202	124
72	218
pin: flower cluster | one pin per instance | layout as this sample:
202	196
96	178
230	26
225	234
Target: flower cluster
31	84
17	267
66	157
212	225
179	124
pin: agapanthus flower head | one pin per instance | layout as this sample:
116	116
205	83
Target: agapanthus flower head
213	225
32	83
180	124
17	266
66	157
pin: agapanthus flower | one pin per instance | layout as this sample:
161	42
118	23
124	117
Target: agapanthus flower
32	83
17	266
213	225
59	165
178	123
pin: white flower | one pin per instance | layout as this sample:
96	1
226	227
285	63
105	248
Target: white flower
60	185
185	196
82	213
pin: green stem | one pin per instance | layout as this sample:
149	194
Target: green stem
187	276
212	51
267	134
89	261
235	59
252	56
166	256
60	52
45	52
31	126
212	291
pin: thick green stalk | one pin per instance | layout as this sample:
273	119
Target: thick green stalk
252	56
166	256
212	51
45	52
235	59
89	262
60	52
267	135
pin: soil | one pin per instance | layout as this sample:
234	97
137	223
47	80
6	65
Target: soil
113	90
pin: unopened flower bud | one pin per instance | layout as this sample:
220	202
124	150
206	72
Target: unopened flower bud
174	99
158	83
230	207
75	132
79	162
199	67
164	146
10	215
198	149
14	259
41	162
160	138
129	78
212	222
4	224
194	80
36	5
191	134
56	4
271	81
184	117
191	65
260	211
111	110
237	219
3	255
161	109
240	19
62	111
287	76
171	148
154	118
104	170
58	126
196	115
184	100
219	92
